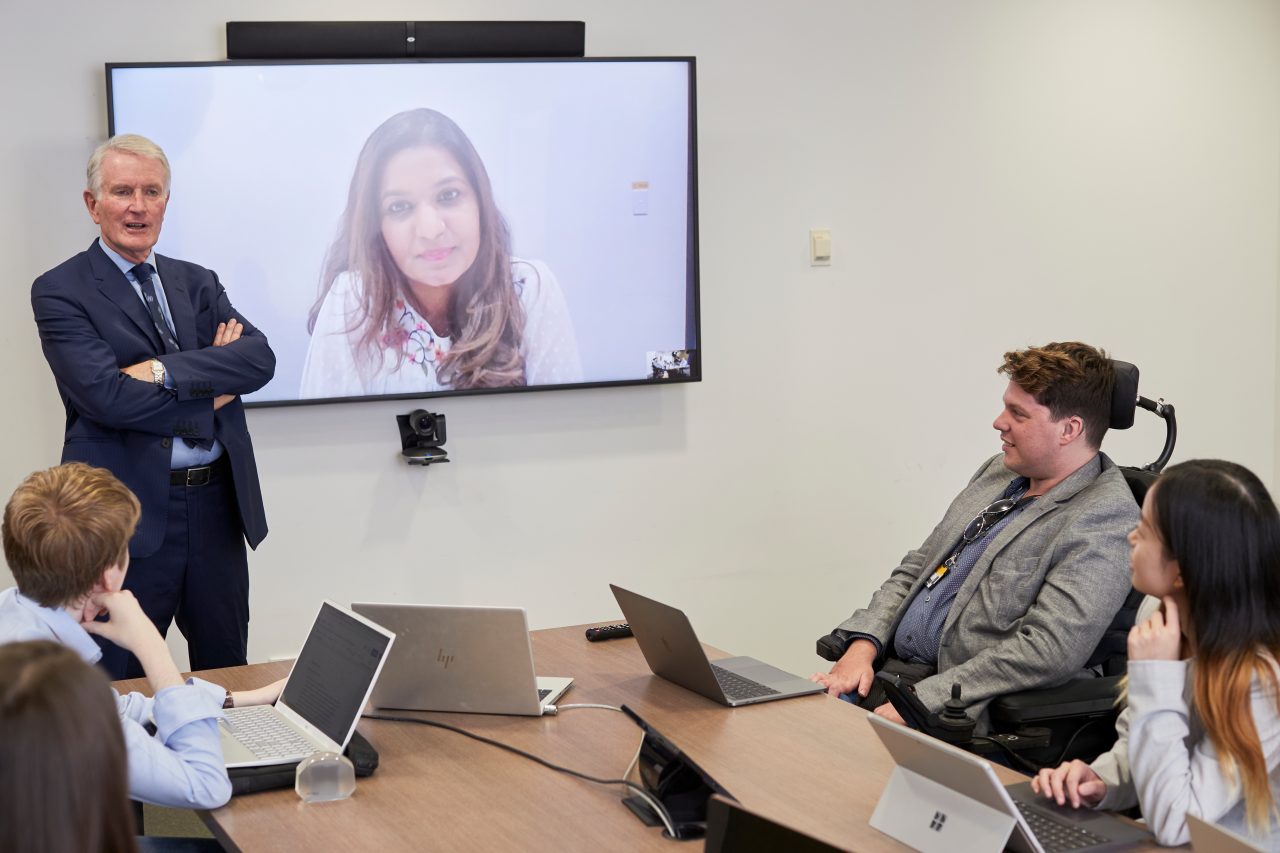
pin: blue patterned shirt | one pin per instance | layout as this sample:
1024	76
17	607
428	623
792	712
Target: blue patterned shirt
919	633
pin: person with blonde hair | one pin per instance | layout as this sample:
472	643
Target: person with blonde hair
420	291
66	534
1201	732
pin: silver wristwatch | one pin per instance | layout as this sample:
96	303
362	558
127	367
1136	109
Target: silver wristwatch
157	371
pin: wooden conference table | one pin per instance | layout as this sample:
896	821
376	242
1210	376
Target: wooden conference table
811	763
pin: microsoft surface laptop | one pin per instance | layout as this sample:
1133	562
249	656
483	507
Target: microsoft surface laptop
476	660
322	699
941	798
673	652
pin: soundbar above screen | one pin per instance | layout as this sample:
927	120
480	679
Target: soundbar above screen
405	229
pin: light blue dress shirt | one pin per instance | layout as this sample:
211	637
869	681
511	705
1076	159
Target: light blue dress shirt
181	766
183	455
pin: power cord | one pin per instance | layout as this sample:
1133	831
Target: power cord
1029	766
638	790
1071	740
1019	762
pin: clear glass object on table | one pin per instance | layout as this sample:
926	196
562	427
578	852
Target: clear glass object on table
325	776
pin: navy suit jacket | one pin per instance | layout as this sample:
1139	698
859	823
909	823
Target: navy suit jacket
92	323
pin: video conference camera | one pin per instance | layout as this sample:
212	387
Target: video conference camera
422	436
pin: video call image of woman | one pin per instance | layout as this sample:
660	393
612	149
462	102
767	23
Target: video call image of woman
419	291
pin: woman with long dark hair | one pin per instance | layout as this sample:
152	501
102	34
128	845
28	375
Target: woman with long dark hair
419	290
62	756
1201	733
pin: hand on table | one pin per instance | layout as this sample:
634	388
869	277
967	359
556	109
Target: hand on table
853	673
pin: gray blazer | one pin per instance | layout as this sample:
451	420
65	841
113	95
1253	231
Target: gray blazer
1040	597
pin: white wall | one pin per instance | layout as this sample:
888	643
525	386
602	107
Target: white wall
995	174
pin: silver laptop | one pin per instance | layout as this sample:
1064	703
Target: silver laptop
1210	838
673	652
941	799
476	660
322	699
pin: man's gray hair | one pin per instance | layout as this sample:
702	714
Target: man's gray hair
125	143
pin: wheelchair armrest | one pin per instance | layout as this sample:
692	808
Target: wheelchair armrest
1078	698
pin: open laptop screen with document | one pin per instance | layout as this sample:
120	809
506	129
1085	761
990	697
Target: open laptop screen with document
330	681
322	699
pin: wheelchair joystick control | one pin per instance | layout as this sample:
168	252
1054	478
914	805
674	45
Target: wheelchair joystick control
954	718
953	725
953	708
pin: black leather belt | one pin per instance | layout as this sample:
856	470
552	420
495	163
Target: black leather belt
200	476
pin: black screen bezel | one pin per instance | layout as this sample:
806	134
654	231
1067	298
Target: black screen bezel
693	290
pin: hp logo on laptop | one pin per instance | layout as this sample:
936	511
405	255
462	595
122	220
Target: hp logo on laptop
939	819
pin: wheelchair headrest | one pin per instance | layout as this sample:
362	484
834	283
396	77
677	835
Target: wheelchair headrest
1139	481
1124	397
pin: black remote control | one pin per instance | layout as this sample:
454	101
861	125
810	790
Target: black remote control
608	632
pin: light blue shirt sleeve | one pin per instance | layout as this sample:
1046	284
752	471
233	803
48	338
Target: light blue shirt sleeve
134	706
181	766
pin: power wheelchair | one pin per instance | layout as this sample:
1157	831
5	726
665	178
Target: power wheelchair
1044	727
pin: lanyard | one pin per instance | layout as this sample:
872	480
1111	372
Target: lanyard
983	523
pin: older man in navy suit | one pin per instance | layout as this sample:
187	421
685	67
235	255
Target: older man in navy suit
150	359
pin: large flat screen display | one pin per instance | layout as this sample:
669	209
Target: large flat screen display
416	228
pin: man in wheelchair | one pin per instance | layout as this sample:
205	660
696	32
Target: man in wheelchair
1016	585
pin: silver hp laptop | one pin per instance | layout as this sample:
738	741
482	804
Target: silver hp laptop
673	652
322	699
1210	837
941	799
473	659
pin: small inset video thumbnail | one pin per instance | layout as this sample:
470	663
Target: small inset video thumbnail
670	364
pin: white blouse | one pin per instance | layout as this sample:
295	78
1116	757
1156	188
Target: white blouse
1165	762
549	347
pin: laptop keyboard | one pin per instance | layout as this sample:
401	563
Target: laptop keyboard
737	687
1054	835
543	693
262	731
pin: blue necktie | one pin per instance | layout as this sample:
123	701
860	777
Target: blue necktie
143	273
